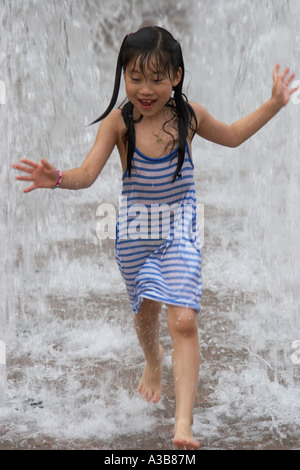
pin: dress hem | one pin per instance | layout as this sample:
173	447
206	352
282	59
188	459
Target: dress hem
136	309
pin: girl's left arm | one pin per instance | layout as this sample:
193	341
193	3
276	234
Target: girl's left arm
235	134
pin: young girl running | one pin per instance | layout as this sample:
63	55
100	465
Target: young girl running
160	262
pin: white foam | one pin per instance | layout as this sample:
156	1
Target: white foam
2	353
74	363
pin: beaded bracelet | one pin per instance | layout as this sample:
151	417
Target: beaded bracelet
59	179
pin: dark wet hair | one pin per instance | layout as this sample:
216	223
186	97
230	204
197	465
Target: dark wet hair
145	45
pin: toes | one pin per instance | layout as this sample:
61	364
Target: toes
179	443
145	393
156	397
186	444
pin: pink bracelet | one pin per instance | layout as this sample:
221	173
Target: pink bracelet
59	179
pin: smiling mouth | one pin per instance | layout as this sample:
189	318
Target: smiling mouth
147	103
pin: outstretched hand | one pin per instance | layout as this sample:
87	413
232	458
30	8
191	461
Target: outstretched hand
43	175
281	82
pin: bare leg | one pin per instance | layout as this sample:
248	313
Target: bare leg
147	329
182	324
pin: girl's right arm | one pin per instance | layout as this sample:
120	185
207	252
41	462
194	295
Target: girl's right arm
45	175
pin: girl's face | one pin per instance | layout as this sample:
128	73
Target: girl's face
149	90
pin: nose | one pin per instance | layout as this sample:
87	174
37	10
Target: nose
146	89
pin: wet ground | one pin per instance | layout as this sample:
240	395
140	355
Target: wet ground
72	379
73	360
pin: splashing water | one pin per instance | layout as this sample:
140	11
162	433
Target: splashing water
72	358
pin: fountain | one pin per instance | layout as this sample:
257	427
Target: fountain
72	358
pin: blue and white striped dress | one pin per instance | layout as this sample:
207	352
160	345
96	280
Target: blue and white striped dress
157	237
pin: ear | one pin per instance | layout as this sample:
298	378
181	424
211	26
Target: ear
177	77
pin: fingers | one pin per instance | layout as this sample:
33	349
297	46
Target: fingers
46	164
284	77
276	70
29	169
291	77
285	72
294	89
22	168
31	166
29	163
25	178
29	189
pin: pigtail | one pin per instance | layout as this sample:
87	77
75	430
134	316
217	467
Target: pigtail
184	111
129	135
116	89
182	124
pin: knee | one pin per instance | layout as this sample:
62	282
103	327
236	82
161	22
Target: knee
148	313
149	308
182	322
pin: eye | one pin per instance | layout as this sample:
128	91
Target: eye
136	78
158	77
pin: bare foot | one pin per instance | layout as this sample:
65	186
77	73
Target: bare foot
150	384
183	436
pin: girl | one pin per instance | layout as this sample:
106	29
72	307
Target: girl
153	131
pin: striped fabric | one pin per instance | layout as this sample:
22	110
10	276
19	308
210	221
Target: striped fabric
157	241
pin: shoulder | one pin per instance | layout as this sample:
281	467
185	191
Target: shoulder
112	124
203	117
114	118
199	111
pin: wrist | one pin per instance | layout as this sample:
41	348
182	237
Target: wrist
275	104
58	180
